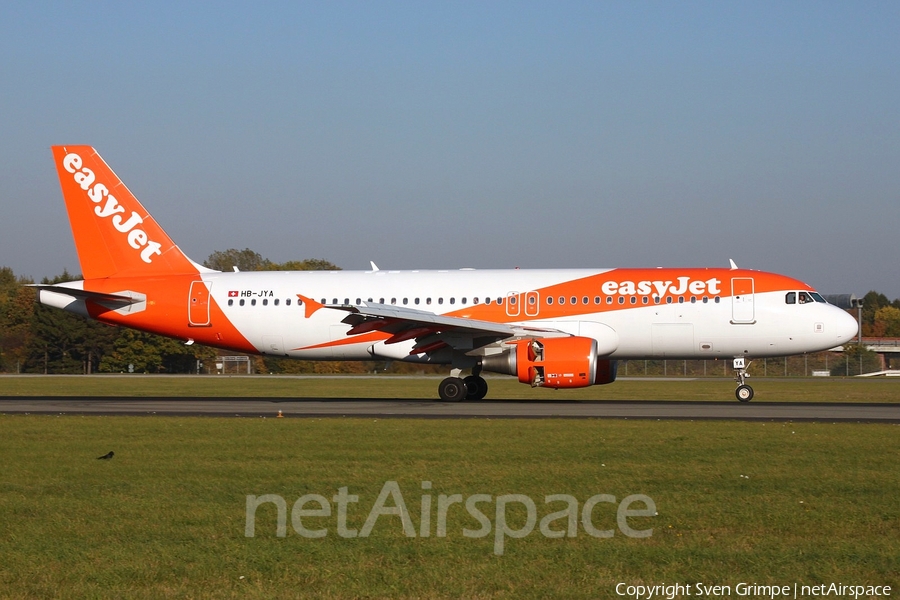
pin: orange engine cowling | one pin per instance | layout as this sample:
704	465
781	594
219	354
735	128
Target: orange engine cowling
564	362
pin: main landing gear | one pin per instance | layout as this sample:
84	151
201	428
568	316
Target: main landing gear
473	387
743	392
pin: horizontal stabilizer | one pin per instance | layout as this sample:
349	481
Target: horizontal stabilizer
125	301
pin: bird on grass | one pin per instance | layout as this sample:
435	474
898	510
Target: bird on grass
106	456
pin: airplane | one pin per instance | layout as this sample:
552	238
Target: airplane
556	328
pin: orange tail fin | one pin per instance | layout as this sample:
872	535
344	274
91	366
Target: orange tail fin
114	234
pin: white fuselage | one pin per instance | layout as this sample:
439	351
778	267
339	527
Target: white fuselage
265	307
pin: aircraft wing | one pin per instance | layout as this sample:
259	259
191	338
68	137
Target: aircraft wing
432	332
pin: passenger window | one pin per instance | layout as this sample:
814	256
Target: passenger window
790	298
393	301
621	299
562	300
596	299
381	301
693	300
253	302
585	300
705	299
427	300
668	299
406	301
358	301
680	299
440	300
487	300
531	300
475	300
346	300
609	300
634	299
287	302
230	302
499	301
416	300
549	300
452	300
241	302
717	299
574	300
646	300
655	299
464	301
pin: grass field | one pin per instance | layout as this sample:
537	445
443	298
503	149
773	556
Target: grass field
831	389
772	503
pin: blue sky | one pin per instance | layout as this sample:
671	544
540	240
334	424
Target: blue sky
486	134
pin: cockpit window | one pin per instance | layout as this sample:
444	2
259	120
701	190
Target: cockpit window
818	297
804	298
790	298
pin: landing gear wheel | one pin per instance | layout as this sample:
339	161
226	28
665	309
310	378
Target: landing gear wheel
743	392
477	387
453	389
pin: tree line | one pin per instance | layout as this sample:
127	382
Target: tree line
39	339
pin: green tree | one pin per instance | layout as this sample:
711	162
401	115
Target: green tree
871	303
148	353
63	342
16	309
887	322
249	260
244	260
852	365
309	264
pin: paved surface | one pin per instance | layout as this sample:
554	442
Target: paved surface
400	408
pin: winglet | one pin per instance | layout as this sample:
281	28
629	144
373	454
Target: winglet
733	266
311	305
375	268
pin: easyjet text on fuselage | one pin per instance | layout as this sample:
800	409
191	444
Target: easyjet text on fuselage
680	286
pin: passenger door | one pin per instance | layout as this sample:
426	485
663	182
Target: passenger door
742	310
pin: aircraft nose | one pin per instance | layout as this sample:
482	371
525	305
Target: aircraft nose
846	326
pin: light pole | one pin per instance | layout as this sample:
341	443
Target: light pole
858	303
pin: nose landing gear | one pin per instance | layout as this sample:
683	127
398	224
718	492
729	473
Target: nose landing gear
744	392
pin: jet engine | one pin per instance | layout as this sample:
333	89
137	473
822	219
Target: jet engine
564	362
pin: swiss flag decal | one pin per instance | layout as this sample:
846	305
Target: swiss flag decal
232	294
